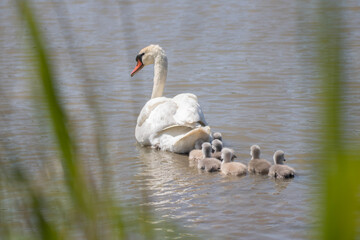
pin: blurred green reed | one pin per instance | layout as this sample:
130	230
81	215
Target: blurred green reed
339	162
87	212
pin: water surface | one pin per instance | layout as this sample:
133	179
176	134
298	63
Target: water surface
249	63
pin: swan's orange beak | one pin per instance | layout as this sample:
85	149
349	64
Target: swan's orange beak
138	67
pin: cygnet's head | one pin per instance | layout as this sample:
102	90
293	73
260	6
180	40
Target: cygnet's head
206	149
279	157
198	143
217	145
226	155
217	135
147	56
255	151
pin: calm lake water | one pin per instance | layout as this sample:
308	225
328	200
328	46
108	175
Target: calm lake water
249	63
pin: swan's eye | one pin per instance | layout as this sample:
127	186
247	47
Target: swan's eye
139	57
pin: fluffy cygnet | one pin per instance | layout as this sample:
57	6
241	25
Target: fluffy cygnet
231	168
279	170
196	154
217	135
208	163
217	147
256	164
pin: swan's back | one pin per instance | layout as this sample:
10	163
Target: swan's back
165	122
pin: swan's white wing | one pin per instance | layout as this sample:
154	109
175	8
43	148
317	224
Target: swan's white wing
148	109
156	115
189	112
172	124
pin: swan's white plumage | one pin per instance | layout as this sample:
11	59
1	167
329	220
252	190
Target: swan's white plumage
171	124
163	122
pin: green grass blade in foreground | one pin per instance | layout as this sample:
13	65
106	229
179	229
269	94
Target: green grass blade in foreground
94	213
340	202
73	175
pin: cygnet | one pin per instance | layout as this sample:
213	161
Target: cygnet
279	170
196	154
256	164
217	135
217	147
231	168
208	163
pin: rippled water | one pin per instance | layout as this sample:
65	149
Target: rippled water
249	63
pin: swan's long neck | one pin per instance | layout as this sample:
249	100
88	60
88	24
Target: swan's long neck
160	73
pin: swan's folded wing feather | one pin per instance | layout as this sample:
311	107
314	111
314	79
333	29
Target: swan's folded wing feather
160	115
189	112
174	130
186	143
170	123
156	115
149	108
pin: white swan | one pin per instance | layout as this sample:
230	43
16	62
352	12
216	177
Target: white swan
171	124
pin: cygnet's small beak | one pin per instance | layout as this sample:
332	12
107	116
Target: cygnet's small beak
138	67
284	159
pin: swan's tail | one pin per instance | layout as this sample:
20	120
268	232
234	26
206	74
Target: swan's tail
187	142
180	139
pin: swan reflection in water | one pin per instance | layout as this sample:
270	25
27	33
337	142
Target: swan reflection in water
167	173
178	191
